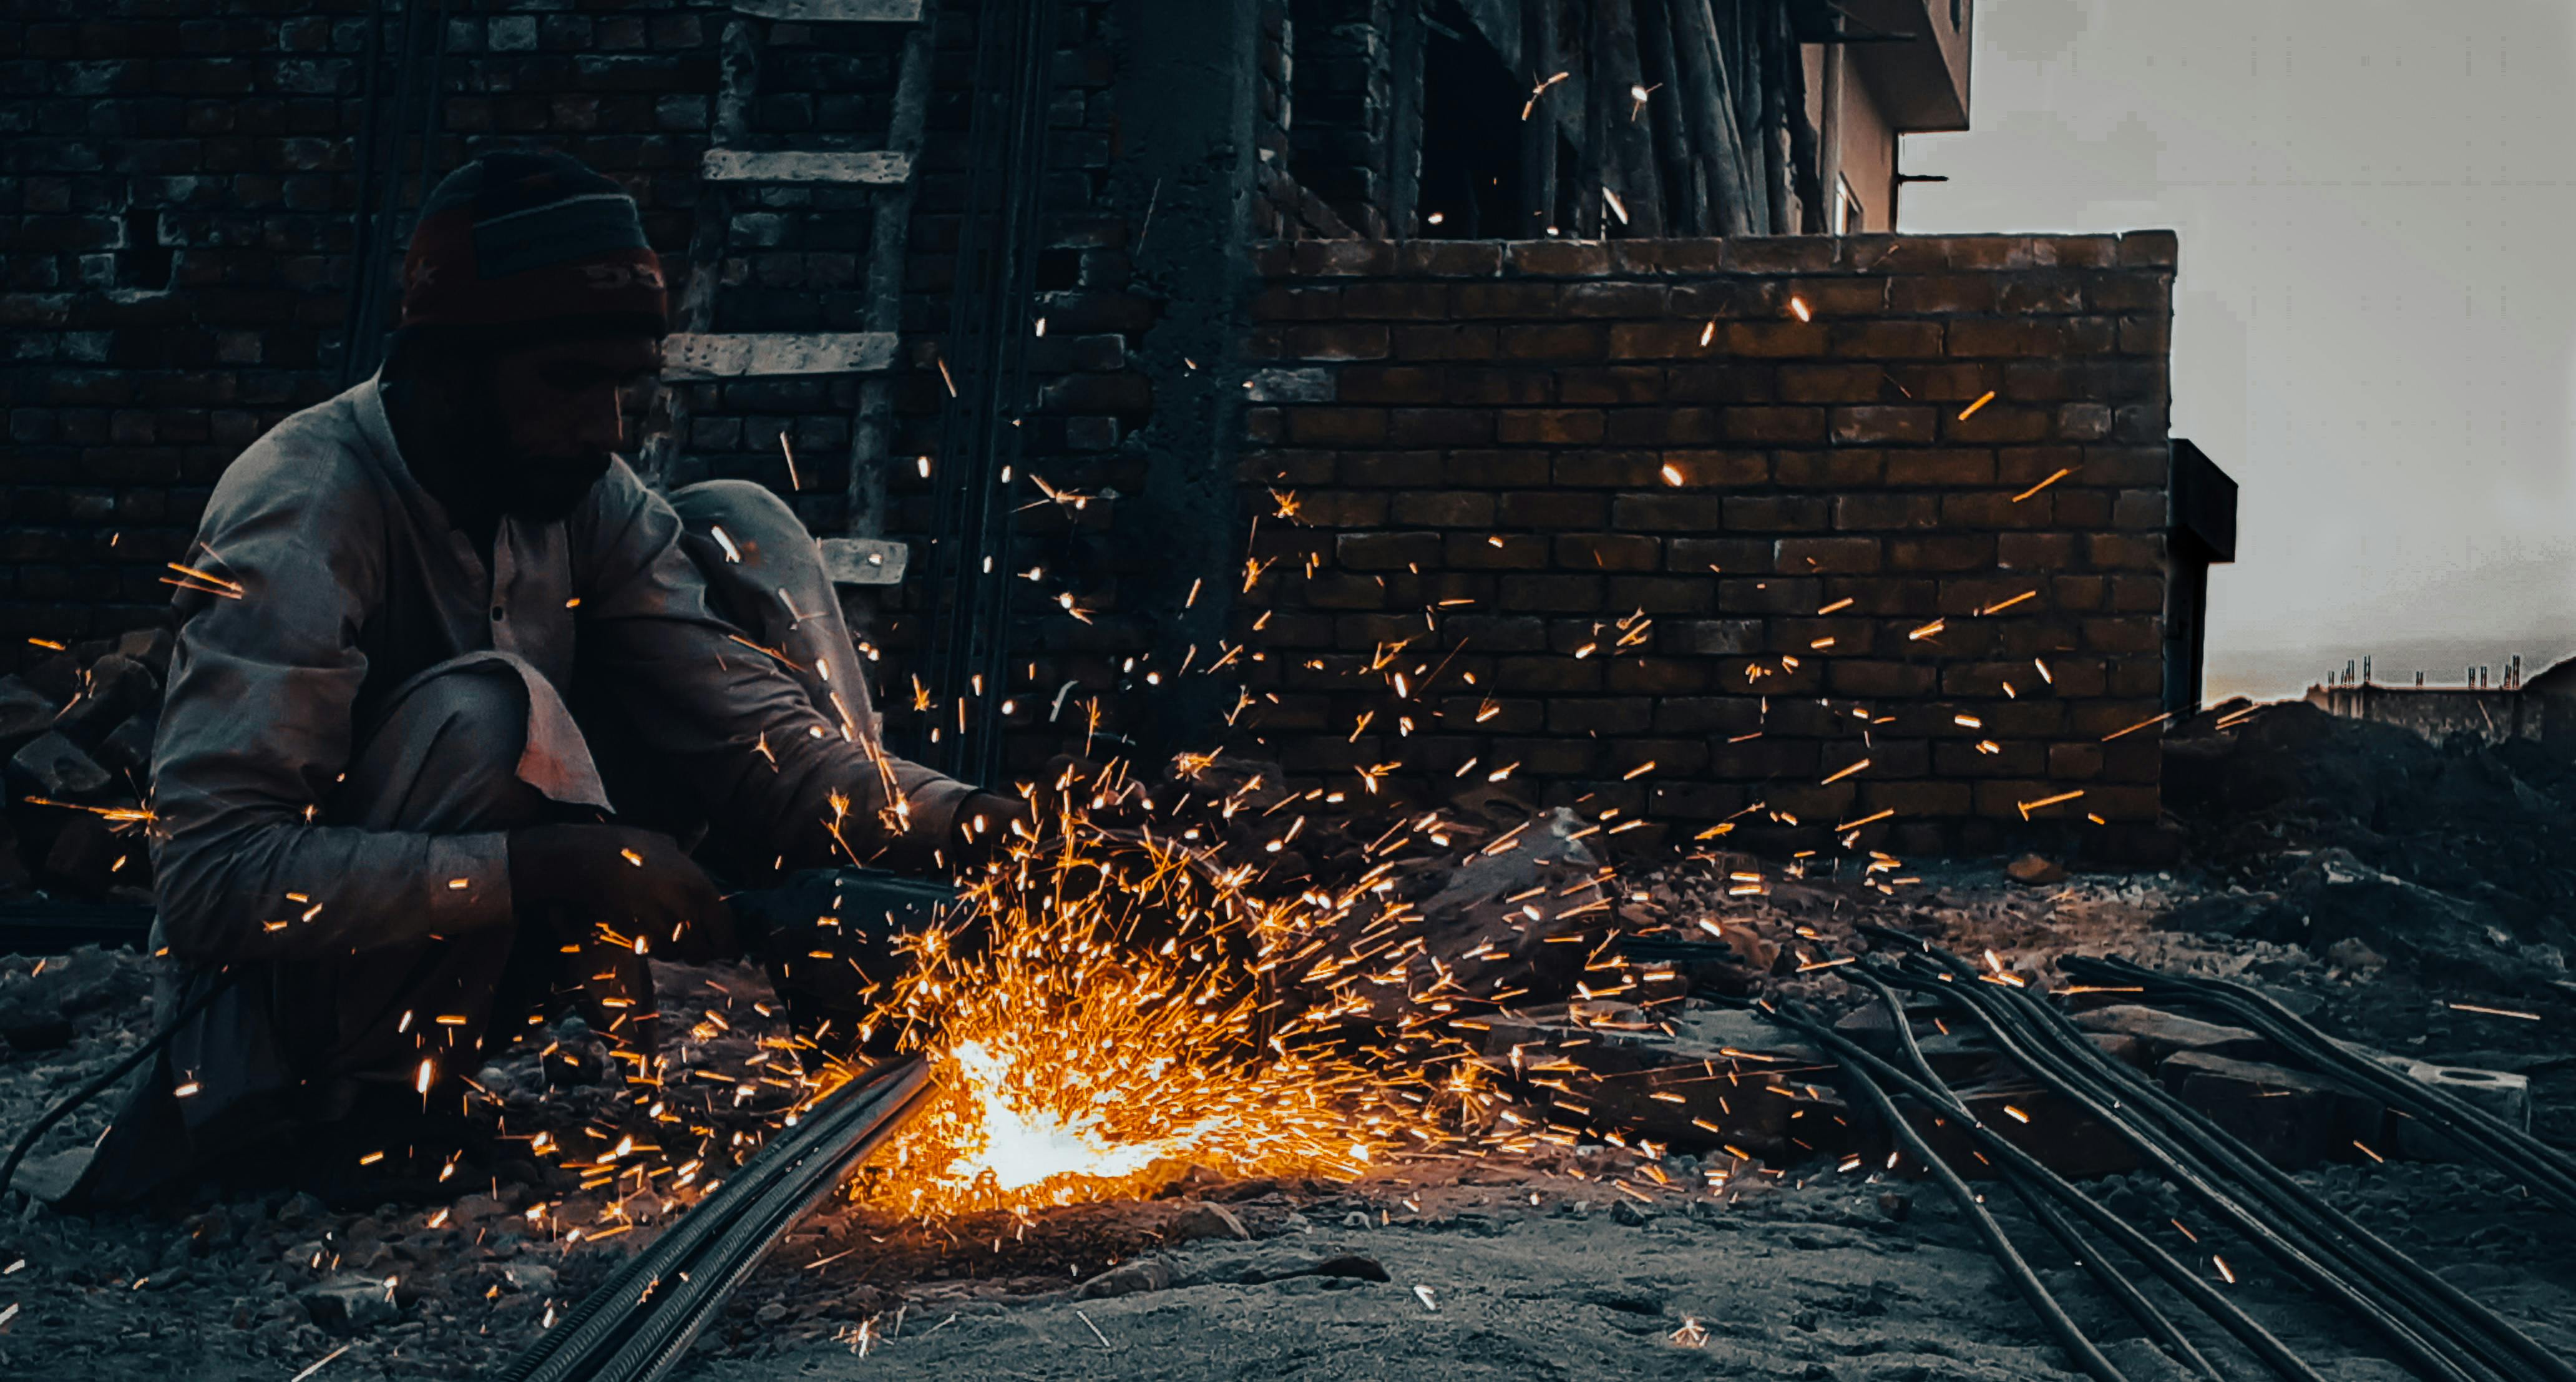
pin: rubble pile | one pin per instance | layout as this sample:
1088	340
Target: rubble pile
76	732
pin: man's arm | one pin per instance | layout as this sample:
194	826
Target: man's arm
726	714
255	733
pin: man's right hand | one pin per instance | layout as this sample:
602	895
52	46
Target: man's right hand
636	881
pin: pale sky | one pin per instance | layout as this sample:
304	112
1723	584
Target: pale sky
2375	315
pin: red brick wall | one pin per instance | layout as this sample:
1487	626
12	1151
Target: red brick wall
1474	436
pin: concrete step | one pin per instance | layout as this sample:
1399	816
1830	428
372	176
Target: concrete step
753	355
872	169
834	11
865	560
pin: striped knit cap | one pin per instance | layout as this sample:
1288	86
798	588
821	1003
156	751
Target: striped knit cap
528	236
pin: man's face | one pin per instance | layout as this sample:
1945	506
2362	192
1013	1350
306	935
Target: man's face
555	416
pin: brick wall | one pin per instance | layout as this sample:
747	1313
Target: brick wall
178	192
178	189
1472	448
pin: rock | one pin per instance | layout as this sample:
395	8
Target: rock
86	855
57	678
1897	1207
1356	1219
771	1313
300	1209
2505	1095
128	747
1126	1279
59	768
1626	1212
1350	1265
1201	1221
2165	1033
2063	1138
528	1278
2353	953
2293	1119
348	1301
151	647
474	1209
25	712
115	687
32	1021
2035	871
208	1231
1487	876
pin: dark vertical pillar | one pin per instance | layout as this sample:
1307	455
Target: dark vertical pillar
1538	131
1404	135
1184	143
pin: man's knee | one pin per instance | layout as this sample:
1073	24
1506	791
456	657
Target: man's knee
445	758
757	522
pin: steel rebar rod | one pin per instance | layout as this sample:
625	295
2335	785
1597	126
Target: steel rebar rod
2091	1258
2452	1309
2017	1271
2409	1306
2549	1171
2260	1341
845	1125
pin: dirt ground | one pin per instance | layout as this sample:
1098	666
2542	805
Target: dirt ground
2378	922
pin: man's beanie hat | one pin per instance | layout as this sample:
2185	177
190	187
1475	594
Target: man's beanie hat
522	236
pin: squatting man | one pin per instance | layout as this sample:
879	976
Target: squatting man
483	706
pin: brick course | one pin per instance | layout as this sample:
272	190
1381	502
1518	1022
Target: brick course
1691	529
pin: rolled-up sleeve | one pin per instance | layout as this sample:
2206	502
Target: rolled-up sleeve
730	718
256	730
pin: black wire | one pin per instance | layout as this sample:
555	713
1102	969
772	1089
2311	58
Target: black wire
27	1140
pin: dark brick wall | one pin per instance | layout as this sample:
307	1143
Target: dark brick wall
1469	449
178	186
177	189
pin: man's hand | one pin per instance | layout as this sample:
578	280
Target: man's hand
983	826
636	881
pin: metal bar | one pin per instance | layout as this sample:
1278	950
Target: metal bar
763	354
2017	1271
2328	1251
842	1128
833	11
872	428
1539	128
873	168
1404	174
2004	1152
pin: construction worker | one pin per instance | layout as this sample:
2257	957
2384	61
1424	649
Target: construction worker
459	705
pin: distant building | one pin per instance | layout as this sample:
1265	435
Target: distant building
2492	707
1897	67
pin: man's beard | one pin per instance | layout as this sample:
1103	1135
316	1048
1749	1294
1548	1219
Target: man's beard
548	491
532	489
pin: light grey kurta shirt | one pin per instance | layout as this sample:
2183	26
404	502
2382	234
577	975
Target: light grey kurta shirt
352	581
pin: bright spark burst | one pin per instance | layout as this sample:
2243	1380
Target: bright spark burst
1108	1000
